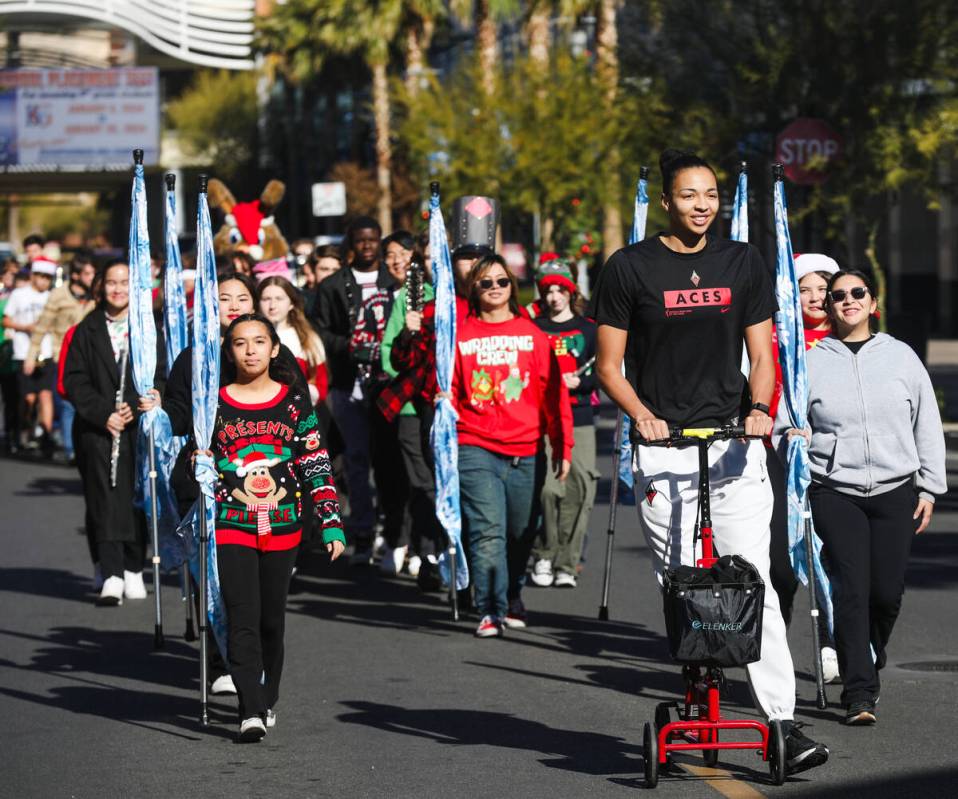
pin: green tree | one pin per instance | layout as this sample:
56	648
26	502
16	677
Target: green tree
216	117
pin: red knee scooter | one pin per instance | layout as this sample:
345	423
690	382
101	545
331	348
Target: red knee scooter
698	725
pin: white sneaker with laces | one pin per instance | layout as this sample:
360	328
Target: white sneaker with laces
112	592
223	685
414	565
829	664
133	586
270	718
393	560
542	573
251	729
565	580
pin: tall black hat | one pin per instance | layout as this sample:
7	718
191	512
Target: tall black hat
474	223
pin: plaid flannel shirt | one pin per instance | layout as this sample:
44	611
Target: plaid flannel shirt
413	355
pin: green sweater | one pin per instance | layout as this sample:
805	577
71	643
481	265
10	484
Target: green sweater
395	325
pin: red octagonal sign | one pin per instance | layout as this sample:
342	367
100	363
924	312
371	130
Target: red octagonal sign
806	147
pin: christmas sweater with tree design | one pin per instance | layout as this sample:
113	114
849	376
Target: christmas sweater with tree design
269	456
508	389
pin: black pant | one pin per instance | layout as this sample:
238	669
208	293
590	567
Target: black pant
867	542
389	474
119	556
254	586
780	568
426	534
11	408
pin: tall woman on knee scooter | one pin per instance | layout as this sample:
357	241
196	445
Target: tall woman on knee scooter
675	309
877	457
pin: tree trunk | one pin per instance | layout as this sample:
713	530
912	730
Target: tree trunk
383	147
538	34
487	44
607	67
414	59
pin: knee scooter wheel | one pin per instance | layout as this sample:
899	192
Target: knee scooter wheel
664	715
776	752
710	756
650	753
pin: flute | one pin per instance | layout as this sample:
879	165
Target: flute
115	453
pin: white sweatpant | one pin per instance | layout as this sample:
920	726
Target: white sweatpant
666	490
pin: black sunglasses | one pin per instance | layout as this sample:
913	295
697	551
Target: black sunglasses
487	283
858	293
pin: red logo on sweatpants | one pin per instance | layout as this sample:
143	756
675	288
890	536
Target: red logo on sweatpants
650	492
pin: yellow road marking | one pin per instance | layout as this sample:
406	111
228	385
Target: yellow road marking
724	782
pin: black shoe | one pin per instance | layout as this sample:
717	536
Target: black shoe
801	752
860	714
428	578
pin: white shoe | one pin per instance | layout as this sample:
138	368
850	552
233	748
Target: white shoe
542	574
270	719
414	565
379	543
565	580
829	664
133	587
97	577
112	592
223	685
393	560
251	730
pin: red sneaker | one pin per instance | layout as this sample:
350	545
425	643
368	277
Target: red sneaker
489	627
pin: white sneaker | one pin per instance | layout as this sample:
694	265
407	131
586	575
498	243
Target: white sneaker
223	685
133	587
112	592
414	565
97	577
393	560
251	730
379	543
270	719
829	664
542	573
565	580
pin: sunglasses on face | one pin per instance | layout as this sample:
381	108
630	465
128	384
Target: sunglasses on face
857	293
487	283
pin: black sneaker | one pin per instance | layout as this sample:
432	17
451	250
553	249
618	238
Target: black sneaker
860	714
801	752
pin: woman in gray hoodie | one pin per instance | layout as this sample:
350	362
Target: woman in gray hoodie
877	456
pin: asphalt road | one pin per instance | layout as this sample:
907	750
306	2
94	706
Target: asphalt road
384	696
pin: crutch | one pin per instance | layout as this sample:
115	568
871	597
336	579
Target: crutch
613	502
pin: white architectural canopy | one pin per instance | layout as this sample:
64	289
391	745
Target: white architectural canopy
211	33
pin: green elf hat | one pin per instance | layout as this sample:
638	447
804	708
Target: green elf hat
555	271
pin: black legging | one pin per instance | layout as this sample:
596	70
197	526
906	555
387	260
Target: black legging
780	568
255	585
867	541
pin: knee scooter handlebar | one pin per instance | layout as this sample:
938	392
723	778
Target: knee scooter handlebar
686	436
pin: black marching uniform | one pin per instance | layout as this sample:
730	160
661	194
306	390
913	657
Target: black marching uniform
92	377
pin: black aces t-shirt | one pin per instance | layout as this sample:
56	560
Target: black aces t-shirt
686	315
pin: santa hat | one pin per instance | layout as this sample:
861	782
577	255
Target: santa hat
252	460
43	266
807	262
555	271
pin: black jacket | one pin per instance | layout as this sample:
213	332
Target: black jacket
335	320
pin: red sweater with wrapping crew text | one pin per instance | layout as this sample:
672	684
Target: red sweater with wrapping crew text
508	389
268	455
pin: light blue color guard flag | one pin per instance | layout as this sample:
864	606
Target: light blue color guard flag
444	439
175	336
639	218
740	233
143	359
205	391
791	353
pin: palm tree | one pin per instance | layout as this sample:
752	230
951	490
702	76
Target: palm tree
419	25
607	65
486	16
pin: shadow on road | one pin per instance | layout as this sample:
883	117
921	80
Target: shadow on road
571	750
46	486
56	583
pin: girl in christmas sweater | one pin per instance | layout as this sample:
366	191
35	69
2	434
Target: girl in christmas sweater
268	452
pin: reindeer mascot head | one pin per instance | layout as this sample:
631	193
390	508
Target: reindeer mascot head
249	226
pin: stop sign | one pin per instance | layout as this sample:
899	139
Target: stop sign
807	143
